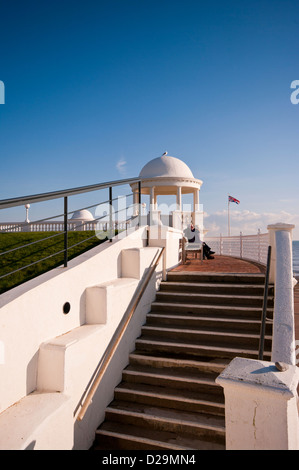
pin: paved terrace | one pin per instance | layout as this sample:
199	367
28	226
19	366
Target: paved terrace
228	264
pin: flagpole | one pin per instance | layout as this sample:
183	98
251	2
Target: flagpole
230	199
228	222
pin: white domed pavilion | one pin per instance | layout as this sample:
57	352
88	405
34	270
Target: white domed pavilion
82	215
83	220
166	166
168	175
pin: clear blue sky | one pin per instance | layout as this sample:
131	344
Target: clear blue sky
94	83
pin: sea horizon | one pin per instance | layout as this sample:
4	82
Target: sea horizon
295	249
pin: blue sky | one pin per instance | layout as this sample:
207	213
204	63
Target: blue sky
91	84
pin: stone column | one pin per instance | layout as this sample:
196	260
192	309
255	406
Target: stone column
135	202
177	214
152	198
283	346
179	198
197	214
196	200
154	214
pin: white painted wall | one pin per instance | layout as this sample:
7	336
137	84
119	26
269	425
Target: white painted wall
260	405
46	351
33	312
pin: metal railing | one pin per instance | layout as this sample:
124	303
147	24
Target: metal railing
66	226
104	363
20	201
264	310
247	247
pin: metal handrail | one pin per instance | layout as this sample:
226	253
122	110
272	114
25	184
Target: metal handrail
264	311
117	337
18	201
14	202
21	224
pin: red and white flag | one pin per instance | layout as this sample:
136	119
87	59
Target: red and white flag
233	199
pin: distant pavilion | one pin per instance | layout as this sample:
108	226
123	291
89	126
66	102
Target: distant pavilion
167	176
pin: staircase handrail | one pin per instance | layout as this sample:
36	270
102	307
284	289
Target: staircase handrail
111	348
264	310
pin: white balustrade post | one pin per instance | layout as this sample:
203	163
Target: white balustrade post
260	405
241	245
283	345
259	245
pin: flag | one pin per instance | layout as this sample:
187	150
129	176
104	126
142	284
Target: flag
232	199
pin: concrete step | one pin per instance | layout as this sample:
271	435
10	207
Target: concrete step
226	278
167	397
180	380
214	299
211	428
200	351
206	322
179	364
209	309
115	436
215	288
205	337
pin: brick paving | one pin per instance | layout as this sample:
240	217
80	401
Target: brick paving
220	264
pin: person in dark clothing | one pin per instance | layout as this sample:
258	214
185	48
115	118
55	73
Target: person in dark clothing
207	253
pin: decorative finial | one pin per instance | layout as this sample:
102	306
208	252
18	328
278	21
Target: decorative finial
164	154
27	206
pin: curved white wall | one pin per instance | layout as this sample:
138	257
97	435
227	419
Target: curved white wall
32	313
49	357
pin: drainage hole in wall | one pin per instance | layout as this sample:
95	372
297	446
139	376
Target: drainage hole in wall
66	307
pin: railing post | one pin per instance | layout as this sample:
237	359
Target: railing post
139	203
110	213
259	245
241	245
264	311
65	231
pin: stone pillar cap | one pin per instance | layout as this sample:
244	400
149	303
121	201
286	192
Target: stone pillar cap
281	226
256	373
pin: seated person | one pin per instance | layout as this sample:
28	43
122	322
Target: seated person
207	252
191	234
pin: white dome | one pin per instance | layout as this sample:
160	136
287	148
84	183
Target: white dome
166	166
82	215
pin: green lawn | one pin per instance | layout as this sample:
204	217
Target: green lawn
36	251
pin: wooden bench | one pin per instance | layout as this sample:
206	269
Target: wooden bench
195	248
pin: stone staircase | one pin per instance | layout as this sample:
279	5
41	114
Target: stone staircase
168	398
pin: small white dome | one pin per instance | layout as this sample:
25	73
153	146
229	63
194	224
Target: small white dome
166	166
82	215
